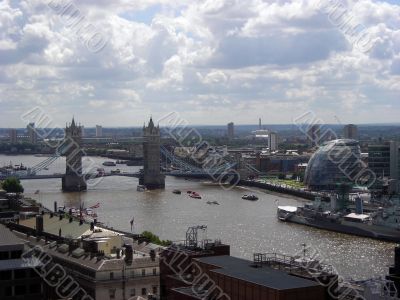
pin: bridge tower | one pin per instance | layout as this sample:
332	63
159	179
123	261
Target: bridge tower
73	180
151	177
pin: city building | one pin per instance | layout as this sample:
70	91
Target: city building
231	132
32	134
335	162
82	131
18	278
350	131
314	135
383	161
13	136
99	131
105	264
205	270
273	141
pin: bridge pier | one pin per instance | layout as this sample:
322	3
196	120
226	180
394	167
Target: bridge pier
71	183
73	180
151	177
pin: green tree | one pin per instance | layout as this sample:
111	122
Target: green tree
12	185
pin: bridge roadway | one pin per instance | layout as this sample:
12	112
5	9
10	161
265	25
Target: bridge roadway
137	175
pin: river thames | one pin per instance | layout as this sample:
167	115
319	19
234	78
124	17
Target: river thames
247	226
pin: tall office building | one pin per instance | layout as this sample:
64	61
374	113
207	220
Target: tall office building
99	131
82	131
18	278
350	131
273	141
383	161
231	130
259	123
13	135
313	135
32	134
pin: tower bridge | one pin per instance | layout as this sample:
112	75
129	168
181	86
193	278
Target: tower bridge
151	176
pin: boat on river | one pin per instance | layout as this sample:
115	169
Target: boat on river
382	223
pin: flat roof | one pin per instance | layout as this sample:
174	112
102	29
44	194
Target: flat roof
14	264
8	238
53	224
265	276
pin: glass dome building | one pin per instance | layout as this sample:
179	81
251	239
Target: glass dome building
334	163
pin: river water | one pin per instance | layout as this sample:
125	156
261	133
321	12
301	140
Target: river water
247	226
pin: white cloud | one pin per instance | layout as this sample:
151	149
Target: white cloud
237	59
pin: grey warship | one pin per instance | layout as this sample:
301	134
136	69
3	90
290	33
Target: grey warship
380	223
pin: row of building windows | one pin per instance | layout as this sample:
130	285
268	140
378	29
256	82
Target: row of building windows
18	274
10	254
19	290
132	292
133	273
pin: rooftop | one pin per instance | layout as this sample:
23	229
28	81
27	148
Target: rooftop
53	224
265	276
8	238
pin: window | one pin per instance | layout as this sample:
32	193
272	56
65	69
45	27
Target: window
3	255
19	274
143	272
16	254
8	291
5	275
112	293
154	271
144	292
20	290
155	290
111	275
133	292
35	288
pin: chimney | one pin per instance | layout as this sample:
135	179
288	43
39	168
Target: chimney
55	206
39	224
128	254
153	255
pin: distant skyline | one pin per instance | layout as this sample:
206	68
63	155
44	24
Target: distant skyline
214	61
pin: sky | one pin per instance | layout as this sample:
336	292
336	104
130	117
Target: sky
116	63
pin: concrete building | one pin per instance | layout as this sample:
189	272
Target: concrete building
273	141
350	131
18	278
152	177
205	270
314	135
383	160
231	131
99	131
13	136
105	264
32	134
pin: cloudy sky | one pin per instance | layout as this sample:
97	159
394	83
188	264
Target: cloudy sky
117	62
